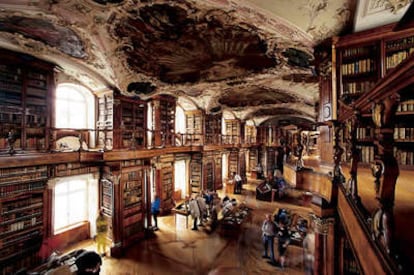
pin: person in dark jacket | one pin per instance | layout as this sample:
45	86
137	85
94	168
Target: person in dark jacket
155	210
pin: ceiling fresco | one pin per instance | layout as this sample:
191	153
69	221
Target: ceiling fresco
253	59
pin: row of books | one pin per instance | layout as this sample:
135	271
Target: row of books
38	143
9	208
22	170
400	43
404	133
7	69
16	188
406	106
9	179
404	157
361	66
21	224
357	51
357	87
396	58
367	153
78	171
363	133
133	184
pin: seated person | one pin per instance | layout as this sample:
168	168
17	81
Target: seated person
84	263
282	216
279	184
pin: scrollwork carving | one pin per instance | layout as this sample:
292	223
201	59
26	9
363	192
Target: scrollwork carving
321	225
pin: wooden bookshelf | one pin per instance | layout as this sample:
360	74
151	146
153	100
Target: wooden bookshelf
132	190
359	70
166	181
208	175
104	123
233	162
381	117
25	89
195	126
196	173
213	129
397	50
163	117
250	134
232	131
130	118
22	219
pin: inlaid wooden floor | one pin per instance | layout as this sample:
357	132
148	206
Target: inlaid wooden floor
176	249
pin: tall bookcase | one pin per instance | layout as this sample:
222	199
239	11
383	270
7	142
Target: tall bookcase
22	219
233	130
233	162
166	181
213	129
250	137
195	126
130	120
196	173
378	119
397	49
25	87
164	120
132	190
364	60
359	70
104	124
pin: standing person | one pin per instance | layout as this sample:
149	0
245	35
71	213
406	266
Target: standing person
309	251
259	171
283	235
101	233
237	183
268	234
203	209
280	184
194	211
155	210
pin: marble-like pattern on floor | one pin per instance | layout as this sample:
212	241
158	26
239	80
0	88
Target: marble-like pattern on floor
177	250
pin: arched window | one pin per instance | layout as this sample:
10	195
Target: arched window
74	107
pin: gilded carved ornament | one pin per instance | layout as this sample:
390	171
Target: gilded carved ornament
321	225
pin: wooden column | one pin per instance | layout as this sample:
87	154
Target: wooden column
324	245
385	170
338	177
156	122
117	248
354	152
299	150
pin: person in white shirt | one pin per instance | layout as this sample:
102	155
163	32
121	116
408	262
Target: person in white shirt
194	211
237	183
268	234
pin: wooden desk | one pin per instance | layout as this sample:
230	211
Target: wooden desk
181	209
229	188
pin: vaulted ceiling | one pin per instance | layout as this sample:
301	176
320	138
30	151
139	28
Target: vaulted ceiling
250	59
